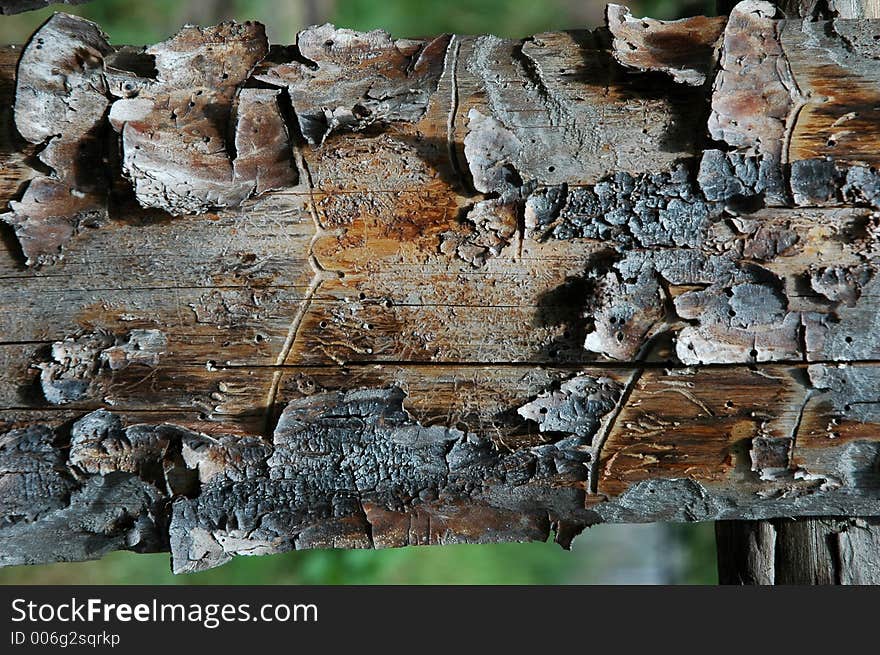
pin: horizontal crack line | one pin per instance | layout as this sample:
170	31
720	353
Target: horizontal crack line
603	364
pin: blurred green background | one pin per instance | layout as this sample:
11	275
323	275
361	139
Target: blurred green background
136	22
607	554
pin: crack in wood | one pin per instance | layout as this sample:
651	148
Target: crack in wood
605	430
319	275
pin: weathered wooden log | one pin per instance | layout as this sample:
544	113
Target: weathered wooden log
367	292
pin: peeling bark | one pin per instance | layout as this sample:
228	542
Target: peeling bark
754	94
685	48
76	361
60	104
370	292
822	9
347	80
804	552
176	148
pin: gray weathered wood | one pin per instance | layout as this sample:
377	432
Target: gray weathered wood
836	551
818	9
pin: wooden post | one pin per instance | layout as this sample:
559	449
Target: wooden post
826	551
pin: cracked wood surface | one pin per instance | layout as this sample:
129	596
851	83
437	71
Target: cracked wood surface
783	551
367	292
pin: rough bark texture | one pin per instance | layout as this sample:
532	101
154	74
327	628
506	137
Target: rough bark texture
799	552
819	9
365	291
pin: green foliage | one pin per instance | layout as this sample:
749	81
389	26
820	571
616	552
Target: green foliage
537	563
495	564
124	21
697	541
499	17
149	21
